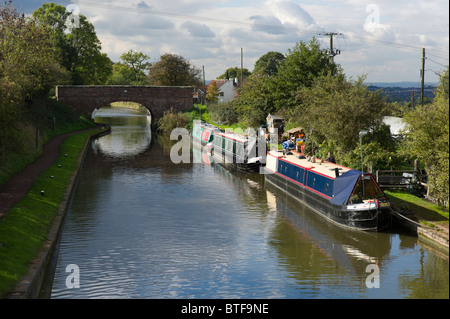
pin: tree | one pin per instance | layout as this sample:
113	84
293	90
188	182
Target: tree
174	70
426	137
255	100
333	111
28	63
269	63
212	92
138	63
302	65
28	69
131	70
235	72
78	45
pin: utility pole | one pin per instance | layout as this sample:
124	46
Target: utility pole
242	67
423	76
204	88
332	52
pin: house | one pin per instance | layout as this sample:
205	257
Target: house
227	89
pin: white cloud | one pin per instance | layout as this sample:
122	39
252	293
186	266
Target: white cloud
211	33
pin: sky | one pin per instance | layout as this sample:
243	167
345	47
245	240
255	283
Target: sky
382	40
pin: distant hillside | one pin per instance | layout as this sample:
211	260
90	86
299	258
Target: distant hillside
402	91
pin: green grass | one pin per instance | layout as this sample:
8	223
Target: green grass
422	209
24	228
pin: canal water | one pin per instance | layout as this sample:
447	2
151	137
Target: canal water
140	226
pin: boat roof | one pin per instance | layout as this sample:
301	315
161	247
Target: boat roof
326	168
234	136
207	126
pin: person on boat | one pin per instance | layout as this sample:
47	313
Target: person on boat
330	158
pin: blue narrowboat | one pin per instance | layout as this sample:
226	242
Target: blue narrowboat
342	195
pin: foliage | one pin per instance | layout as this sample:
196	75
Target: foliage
131	70
255	100
138	63
426	138
174	70
223	113
171	120
335	110
78	44
235	72
212	92
28	66
28	69
302	65
269	63
121	75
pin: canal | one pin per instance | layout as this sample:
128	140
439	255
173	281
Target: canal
140	226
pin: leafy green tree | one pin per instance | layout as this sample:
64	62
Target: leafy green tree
121	75
302	65
223	113
77	43
131	70
174	70
28	70
426	138
255	100
333	111
269	63
138	63
235	72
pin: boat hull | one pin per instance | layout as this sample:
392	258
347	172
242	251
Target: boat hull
375	219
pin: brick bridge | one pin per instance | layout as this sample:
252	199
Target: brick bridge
84	99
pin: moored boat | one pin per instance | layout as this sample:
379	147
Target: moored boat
239	151
203	132
344	196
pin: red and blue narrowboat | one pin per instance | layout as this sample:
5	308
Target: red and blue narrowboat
345	196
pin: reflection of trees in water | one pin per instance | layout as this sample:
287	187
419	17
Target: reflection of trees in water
429	285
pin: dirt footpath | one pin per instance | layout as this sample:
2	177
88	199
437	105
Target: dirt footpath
18	185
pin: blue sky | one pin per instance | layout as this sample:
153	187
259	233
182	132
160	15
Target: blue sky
382	39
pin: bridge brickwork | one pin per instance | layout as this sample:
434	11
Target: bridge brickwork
85	99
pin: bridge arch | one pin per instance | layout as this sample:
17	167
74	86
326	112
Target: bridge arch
84	99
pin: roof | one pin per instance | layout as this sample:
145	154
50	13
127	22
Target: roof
396	124
293	130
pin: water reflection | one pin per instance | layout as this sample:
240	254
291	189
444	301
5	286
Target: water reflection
132	134
142	227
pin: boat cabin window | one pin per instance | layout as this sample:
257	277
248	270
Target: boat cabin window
366	188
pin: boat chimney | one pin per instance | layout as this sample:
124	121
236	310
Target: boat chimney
336	172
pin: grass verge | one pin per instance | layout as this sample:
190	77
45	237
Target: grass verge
24	228
425	211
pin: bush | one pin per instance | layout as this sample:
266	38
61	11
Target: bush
172	120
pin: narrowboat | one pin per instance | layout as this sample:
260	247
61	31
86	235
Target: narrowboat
236	150
203	132
345	196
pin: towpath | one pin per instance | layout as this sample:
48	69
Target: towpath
18	185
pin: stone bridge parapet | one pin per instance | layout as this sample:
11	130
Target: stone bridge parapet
84	99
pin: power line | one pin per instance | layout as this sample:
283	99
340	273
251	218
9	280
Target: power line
437	63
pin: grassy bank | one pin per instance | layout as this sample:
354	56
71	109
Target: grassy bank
24	228
48	117
426	212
